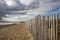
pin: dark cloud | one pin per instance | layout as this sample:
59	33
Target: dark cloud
55	0
51	0
19	6
2	5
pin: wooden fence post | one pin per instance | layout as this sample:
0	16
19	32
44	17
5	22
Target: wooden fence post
39	27
53	27
44	28
36	24
56	16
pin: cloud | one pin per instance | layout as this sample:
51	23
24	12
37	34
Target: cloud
45	7
10	2
50	0
17	18
18	4
26	2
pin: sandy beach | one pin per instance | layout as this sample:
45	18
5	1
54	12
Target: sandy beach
15	32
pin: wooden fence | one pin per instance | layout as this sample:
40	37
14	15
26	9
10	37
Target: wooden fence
44	28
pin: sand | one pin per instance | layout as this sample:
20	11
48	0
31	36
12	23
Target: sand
15	32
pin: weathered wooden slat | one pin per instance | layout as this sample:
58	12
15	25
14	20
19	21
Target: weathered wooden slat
56	27
35	24
44	28
39	27
53	27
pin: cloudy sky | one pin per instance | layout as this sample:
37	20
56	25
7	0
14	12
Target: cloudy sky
40	7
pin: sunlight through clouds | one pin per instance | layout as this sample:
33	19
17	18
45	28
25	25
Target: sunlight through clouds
10	2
